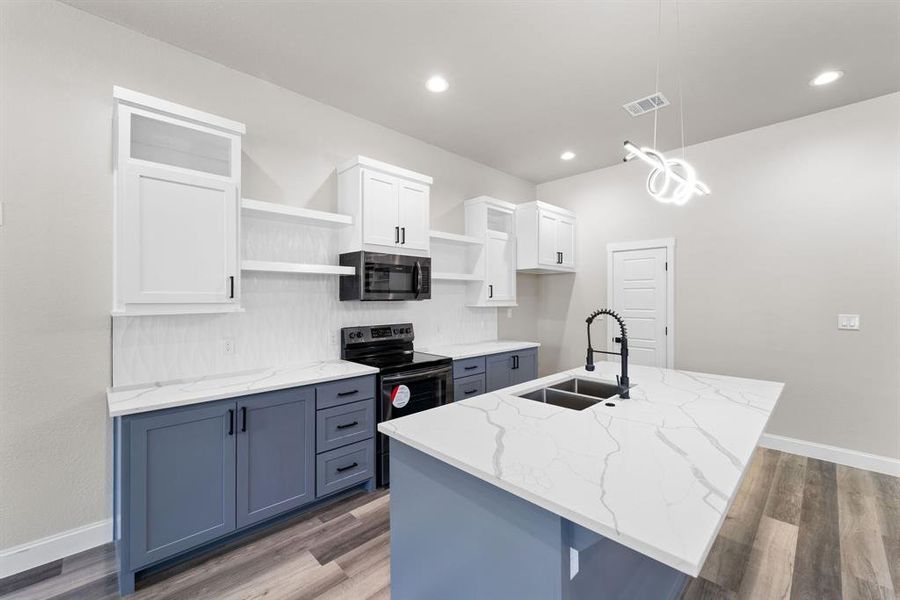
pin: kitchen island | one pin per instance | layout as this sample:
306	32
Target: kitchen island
500	496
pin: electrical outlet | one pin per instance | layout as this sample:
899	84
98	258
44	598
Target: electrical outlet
228	347
848	322
509	313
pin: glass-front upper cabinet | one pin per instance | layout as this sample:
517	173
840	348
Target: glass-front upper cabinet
177	203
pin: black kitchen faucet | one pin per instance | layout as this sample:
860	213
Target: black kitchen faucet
622	381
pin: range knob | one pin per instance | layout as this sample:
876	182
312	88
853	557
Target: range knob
409	330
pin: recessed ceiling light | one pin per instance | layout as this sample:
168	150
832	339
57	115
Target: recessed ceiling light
437	84
827	77
567	155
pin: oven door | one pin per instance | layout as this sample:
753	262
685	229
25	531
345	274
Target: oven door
395	277
403	394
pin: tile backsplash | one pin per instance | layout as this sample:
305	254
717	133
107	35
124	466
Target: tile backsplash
288	318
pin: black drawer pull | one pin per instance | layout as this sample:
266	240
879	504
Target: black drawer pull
470	368
350	393
467	392
347	468
346	425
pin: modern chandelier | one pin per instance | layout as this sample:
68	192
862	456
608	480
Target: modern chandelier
671	180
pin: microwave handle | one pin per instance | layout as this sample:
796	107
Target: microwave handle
417	270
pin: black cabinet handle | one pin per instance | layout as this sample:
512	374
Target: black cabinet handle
403	234
243	419
347	468
346	425
490	291
231	286
396	235
515	361
469	392
349	393
470	368
230	421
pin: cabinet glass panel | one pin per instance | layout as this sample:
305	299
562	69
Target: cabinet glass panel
168	143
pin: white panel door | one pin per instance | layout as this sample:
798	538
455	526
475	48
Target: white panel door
180	236
413	209
547	250
380	224
565	241
640	297
501	267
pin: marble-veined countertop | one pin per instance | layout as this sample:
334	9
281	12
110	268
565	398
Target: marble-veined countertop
459	351
136	399
656	473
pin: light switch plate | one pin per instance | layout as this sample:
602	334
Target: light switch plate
848	322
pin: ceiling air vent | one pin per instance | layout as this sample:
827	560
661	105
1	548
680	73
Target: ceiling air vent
652	102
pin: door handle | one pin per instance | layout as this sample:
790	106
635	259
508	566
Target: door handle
490	291
397	235
417	269
230	421
231	286
243	419
515	361
403	235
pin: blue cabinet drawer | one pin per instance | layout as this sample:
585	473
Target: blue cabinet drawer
341	425
345	391
468	387
344	467
468	366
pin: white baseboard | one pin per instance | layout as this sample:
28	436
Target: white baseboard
841	456
40	552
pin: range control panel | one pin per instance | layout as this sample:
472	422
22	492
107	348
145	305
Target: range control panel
398	332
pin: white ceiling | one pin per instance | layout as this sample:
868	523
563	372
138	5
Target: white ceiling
530	79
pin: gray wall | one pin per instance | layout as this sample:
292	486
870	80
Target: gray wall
802	224
56	76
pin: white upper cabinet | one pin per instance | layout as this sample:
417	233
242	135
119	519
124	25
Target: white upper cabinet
494	222
389	206
546	238
177	193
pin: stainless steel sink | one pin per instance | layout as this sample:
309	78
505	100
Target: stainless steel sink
588	387
576	394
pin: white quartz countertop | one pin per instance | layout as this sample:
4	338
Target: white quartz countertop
129	400
458	351
656	473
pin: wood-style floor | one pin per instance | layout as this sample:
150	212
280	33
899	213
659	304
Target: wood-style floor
799	529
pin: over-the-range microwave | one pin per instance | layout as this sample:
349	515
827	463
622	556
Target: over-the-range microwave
386	277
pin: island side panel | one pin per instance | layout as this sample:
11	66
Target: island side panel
454	536
602	569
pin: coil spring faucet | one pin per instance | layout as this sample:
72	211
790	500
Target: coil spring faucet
621	380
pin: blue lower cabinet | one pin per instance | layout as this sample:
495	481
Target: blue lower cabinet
344	467
185	477
468	387
275	453
510	368
181	469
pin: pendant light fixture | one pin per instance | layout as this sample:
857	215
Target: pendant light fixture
671	180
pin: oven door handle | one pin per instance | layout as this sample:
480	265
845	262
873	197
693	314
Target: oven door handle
417	375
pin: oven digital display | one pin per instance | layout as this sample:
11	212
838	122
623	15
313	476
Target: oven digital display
380	332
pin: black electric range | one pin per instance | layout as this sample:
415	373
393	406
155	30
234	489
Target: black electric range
408	381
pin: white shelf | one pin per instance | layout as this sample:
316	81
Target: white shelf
293	214
494	305
456	238
457	276
286	267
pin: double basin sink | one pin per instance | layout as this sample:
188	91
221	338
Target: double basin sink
576	394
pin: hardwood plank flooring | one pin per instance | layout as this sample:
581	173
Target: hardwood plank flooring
799	529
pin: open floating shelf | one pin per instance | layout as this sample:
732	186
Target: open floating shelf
455	238
293	214
287	267
456	276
